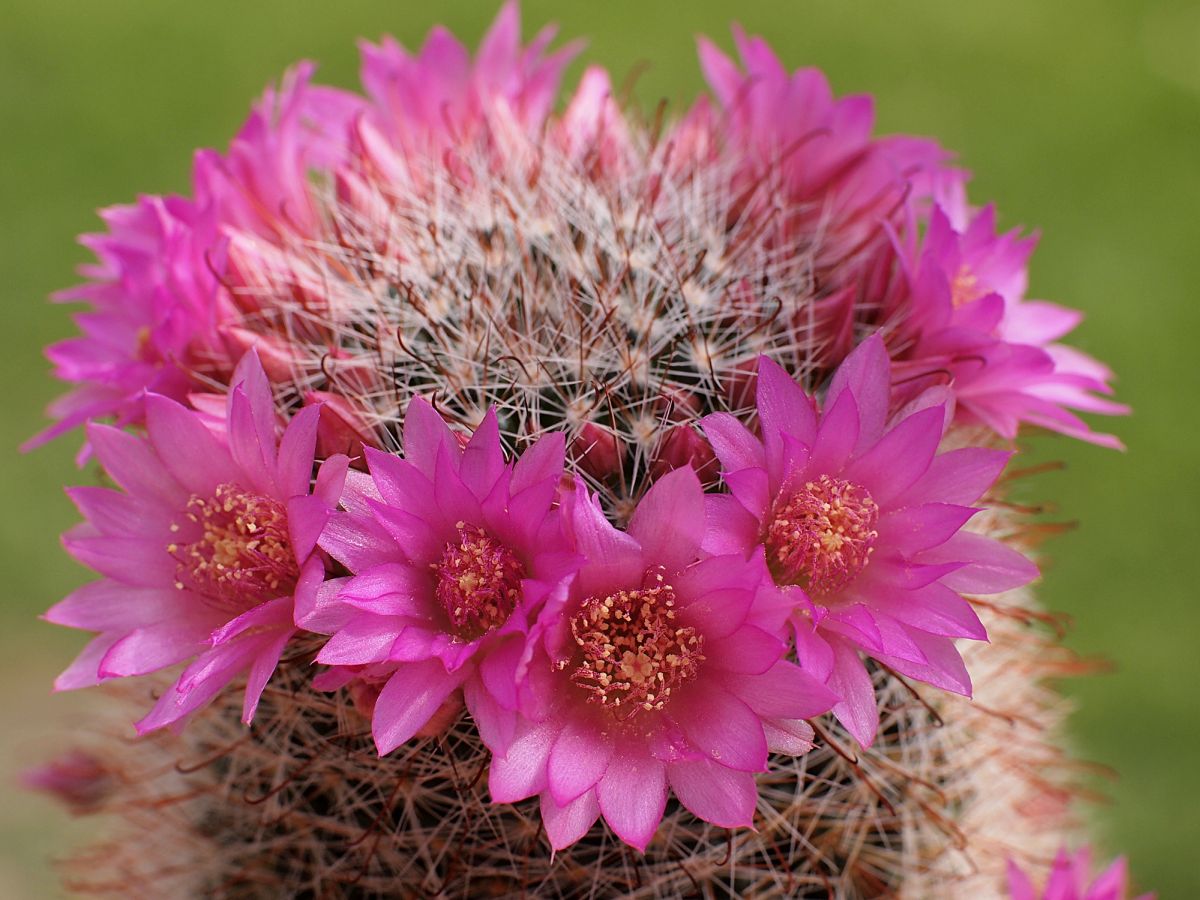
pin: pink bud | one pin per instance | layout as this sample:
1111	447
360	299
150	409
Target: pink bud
682	446
597	451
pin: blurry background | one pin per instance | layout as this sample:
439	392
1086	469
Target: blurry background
1080	117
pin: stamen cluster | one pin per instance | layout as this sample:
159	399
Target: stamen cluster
822	535
478	582
243	554
634	652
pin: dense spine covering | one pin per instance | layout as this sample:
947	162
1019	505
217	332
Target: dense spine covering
506	471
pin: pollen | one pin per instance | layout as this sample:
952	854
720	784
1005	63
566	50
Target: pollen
635	652
964	288
821	536
241	554
478	582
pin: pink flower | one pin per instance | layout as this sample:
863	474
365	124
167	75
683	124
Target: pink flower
965	315
832	189
440	97
451	563
152	321
1069	880
261	186
861	522
202	550
665	672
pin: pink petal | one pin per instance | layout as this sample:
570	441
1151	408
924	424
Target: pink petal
934	608
134	561
735	446
409	699
858	710
261	670
614	558
483	457
521	772
188	450
364	639
729	528
837	437
579	759
453	498
960	476
991	567
253	451
84	671
499	669
316	605
357	542
920	528
669	520
117	514
749	651
866	374
943	668
111	606
294	466
721	727
783	407
789	736
424	433
541	462
714	793
1019	885
199	683
633	796
567	824
713	595
901	457
131	463
153	647
785	691
752	489
496	725
256	389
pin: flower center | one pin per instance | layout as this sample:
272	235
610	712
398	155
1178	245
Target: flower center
635	653
243	555
964	287
821	537
478	582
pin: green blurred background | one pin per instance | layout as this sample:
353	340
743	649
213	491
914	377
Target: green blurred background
1079	117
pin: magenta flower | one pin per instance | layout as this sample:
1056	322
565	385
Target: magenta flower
202	550
440	97
833	189
966	316
666	673
861	522
451	563
153	314
1069	880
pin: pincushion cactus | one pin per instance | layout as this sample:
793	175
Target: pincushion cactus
566	505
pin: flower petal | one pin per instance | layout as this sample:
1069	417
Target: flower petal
579	759
567	824
866	374
721	726
722	796
669	520
632	796
409	699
